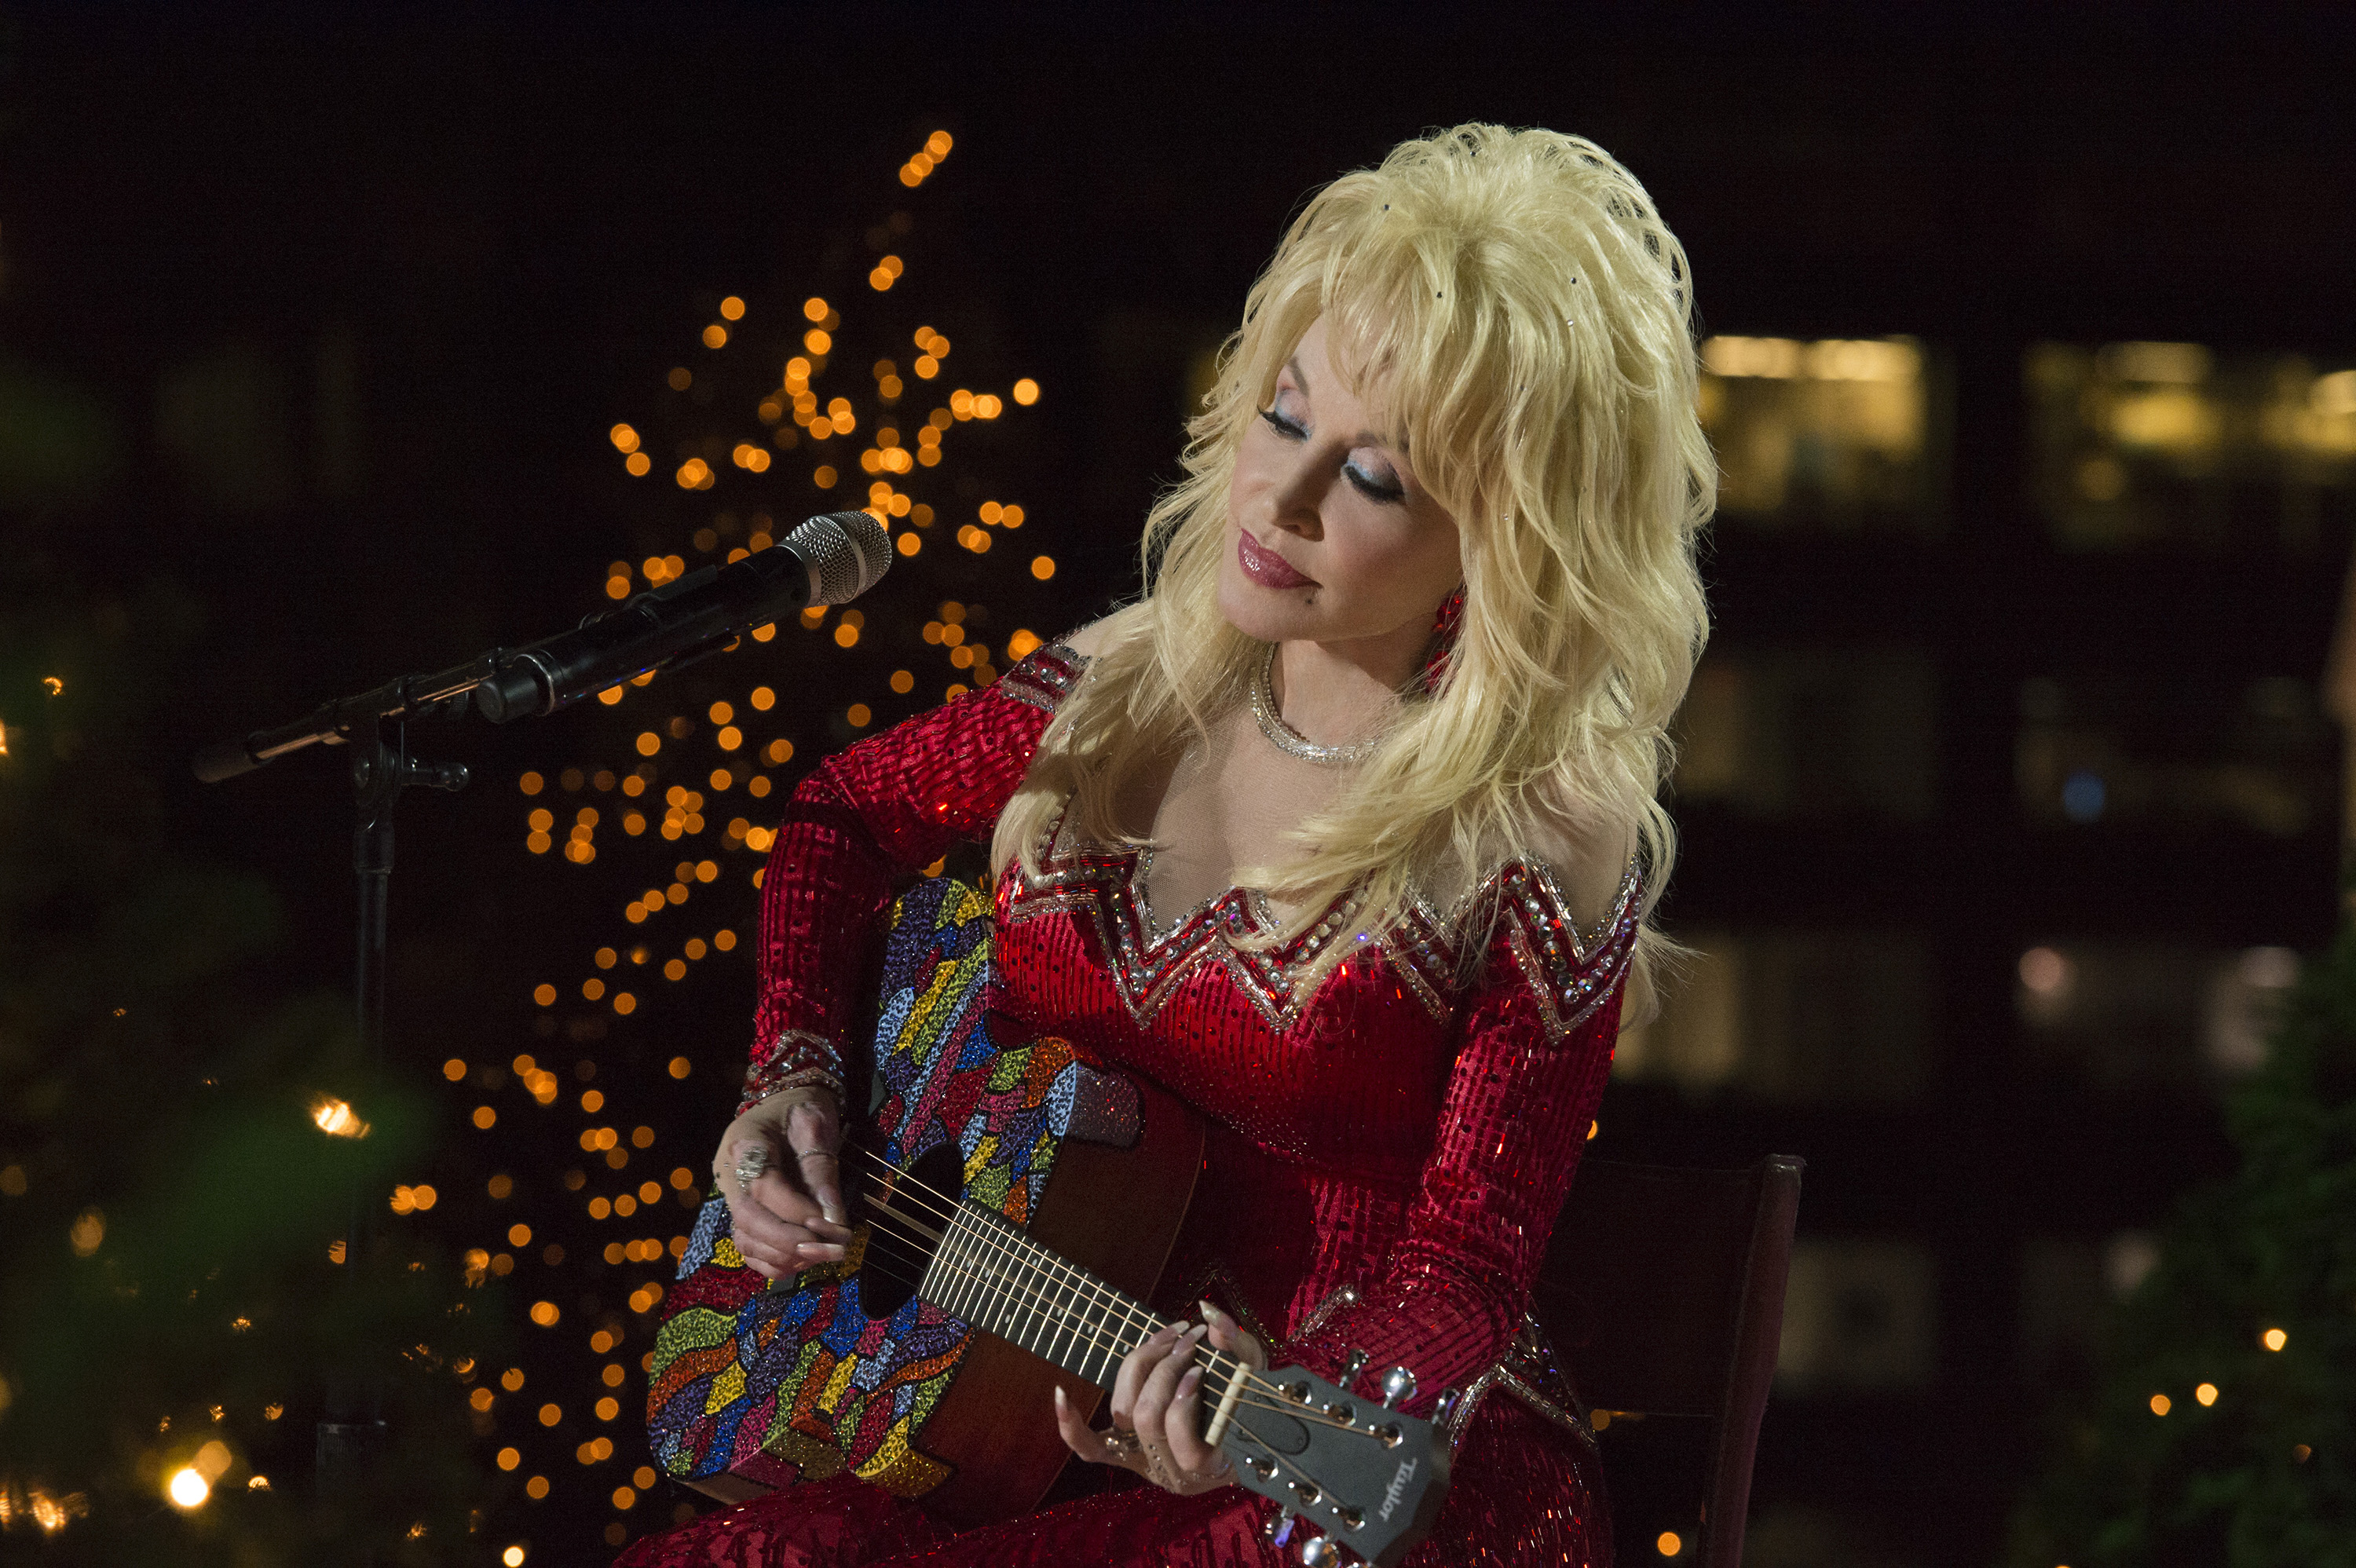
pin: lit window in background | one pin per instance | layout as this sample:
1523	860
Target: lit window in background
1792	1015
2133	444
1788	734
2132	1020
2169	750
1833	434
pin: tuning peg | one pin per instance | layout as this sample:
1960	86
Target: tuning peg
1352	1365
1446	1408
1318	1551
1399	1386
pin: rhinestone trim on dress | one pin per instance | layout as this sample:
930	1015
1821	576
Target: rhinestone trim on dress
1099	883
1045	677
1569	972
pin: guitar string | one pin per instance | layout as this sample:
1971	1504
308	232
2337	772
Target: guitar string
947	1208
1240	1369
1129	1312
1082	1285
1290	1408
1293	1411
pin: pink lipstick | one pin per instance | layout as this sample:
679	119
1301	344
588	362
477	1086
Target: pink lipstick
1266	567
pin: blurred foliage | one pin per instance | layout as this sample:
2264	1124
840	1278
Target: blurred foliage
2265	1476
167	1198
55	443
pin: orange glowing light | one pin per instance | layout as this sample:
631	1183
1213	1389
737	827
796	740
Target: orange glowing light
337	1119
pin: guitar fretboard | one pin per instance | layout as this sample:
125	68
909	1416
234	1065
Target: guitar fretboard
988	1273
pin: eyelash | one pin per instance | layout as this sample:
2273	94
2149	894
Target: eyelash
1364	485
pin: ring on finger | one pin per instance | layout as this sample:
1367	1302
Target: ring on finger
751	1166
1122	1441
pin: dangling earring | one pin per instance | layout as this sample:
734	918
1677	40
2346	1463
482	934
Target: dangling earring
1444	628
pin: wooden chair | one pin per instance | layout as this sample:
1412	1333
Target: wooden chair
1662	1293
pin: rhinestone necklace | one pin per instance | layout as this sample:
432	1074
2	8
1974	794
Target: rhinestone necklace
1289	741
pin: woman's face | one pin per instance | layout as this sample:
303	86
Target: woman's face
1330	540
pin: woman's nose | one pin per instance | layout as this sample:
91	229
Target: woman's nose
1298	497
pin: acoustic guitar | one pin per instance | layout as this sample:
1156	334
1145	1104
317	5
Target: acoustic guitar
1015	1210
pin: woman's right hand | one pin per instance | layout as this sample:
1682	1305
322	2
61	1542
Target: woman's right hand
790	1217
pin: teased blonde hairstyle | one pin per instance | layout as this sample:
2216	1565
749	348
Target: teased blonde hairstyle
1528	319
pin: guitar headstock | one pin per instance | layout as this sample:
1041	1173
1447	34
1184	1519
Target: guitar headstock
1359	1475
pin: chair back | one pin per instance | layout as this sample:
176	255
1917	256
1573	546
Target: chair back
1663	1292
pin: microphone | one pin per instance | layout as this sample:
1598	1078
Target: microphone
831	560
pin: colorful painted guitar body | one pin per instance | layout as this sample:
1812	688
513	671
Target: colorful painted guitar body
1026	1204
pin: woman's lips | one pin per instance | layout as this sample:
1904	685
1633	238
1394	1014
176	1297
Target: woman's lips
1266	567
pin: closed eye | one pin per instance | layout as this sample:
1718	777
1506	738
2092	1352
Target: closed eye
1282	426
1373	488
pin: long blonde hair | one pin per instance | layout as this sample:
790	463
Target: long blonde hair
1530	318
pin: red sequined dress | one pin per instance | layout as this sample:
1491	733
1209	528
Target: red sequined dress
1385	1158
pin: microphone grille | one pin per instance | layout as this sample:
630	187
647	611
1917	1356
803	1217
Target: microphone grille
850	551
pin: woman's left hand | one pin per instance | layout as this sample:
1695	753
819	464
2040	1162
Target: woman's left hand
1157	1420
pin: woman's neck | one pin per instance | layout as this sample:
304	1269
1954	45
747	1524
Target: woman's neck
1337	693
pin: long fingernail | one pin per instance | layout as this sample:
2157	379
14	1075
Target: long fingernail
1211	1314
1191	1382
1059	1396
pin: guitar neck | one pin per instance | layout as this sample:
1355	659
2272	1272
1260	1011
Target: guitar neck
988	1273
1370	1478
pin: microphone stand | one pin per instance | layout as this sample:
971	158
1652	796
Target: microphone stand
827	560
352	1434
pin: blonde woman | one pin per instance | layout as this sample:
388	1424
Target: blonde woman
1345	833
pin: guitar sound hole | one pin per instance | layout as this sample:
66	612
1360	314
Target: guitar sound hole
897	1255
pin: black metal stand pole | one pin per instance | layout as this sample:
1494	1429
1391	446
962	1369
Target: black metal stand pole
828	559
352	1431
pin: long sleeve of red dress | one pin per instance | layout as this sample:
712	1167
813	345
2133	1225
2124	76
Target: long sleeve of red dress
1387	1150
865	819
1523	1091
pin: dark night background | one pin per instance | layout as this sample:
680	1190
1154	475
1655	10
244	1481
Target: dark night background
409	266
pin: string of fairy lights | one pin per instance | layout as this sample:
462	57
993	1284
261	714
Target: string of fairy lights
682	808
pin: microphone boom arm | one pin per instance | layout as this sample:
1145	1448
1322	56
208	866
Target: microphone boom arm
828	559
